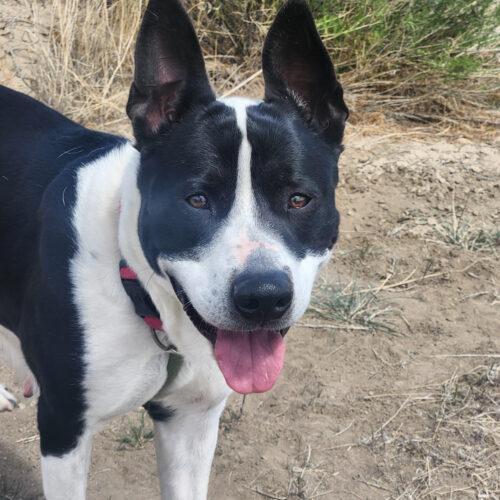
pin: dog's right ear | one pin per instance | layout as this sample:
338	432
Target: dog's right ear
170	76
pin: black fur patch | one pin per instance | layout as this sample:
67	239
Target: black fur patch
289	157
40	155
158	412
199	155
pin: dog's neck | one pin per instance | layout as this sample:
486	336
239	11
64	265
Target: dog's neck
128	231
159	288
130	202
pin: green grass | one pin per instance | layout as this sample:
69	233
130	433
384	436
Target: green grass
137	435
421	59
435	34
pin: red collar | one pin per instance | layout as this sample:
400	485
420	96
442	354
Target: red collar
143	304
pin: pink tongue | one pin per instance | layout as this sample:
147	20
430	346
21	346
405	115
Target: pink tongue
250	362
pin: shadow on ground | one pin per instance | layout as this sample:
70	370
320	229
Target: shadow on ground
18	480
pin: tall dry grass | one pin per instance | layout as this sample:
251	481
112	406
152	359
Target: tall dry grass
84	57
425	61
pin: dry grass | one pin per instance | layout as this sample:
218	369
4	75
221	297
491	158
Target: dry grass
440	440
354	307
459	230
407	63
307	479
447	433
88	77
464	234
457	227
84	57
460	452
351	307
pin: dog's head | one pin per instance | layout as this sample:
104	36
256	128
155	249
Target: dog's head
237	196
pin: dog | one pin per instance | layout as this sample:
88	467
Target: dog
166	272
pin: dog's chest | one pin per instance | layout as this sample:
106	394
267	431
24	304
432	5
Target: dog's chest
124	368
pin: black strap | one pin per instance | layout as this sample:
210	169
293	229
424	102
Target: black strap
143	304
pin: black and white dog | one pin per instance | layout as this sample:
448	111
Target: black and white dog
165	273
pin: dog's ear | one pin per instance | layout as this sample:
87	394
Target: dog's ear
170	76
298	69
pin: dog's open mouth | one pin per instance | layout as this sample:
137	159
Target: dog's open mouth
250	361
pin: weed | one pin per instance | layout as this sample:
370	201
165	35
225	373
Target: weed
464	235
137	435
232	415
305	476
307	480
350	306
460	231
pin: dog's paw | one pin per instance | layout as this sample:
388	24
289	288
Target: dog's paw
7	400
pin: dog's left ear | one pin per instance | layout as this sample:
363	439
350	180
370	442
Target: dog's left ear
298	69
170	77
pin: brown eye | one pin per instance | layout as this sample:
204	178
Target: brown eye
298	200
197	200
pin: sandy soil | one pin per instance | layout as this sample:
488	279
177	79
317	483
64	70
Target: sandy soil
391	393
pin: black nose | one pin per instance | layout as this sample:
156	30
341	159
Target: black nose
262	296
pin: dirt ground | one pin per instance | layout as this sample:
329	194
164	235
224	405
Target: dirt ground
391	388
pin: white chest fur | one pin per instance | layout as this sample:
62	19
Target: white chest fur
124	367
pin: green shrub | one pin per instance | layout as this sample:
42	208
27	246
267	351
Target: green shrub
418	59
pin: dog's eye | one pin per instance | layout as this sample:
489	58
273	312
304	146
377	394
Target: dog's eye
298	200
197	200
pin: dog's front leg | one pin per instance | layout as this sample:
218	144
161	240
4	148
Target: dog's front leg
185	444
65	473
65	476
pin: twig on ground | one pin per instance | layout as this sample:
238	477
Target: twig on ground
407	280
332	327
388	421
345	429
465	356
29	439
264	494
375	485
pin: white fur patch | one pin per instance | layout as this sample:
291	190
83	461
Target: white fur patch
7	400
66	477
185	445
124	367
244	203
11	354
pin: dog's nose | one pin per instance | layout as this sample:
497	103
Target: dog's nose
262	296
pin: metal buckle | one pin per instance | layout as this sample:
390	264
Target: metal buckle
170	348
